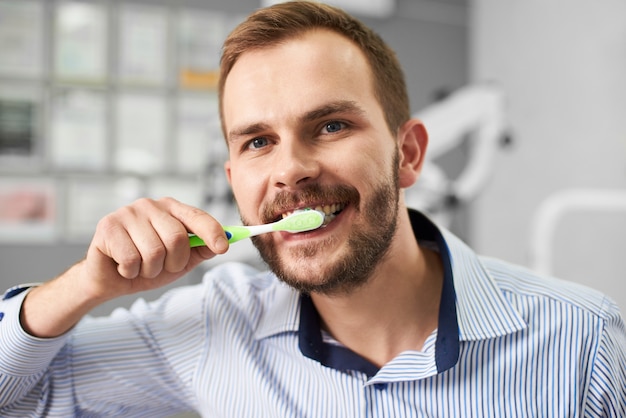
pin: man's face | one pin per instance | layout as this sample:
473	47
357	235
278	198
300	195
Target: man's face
305	130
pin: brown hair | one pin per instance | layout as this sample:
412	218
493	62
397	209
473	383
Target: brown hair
272	25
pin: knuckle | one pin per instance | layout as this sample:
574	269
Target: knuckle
167	200
105	223
167	204
108	224
116	220
197	216
176	239
154	253
142	203
129	257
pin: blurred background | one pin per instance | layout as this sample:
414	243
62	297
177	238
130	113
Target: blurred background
102	102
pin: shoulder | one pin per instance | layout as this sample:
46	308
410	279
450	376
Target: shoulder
522	285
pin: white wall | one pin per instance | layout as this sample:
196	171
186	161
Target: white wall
563	67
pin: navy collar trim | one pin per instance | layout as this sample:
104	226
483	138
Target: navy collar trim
329	355
447	344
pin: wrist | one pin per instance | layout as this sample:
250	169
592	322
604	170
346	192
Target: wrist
53	308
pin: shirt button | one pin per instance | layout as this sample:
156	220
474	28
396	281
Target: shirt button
380	386
1	315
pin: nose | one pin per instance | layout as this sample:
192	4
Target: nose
296	163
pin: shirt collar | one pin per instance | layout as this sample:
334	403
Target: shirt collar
472	296
483	312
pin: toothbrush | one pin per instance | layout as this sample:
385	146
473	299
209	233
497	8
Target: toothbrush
299	221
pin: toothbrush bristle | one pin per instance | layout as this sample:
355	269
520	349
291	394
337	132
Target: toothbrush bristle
304	220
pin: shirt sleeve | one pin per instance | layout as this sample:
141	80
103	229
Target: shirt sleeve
23	358
607	387
137	362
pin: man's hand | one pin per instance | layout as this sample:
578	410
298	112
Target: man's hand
145	246
139	247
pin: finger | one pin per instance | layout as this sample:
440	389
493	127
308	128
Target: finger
175	240
151	230
200	254
200	223
113	241
167	217
151	249
147	257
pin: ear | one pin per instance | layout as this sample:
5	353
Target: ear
227	171
412	144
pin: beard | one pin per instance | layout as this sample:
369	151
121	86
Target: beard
368	242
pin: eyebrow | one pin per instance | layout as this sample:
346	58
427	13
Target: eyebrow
253	129
340	106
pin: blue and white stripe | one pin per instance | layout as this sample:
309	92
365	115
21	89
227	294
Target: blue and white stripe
529	347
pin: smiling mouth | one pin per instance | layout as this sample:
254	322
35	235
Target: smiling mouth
330	211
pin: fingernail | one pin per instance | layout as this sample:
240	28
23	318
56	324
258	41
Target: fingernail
221	244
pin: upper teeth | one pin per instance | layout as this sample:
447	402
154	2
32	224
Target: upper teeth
329	209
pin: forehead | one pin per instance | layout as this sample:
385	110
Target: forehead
296	75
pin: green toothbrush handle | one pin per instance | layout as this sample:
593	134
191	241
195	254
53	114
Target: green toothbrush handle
236	233
195	241
233	233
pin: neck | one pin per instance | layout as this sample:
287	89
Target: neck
396	310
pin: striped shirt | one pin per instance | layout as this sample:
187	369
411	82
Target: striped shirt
242	344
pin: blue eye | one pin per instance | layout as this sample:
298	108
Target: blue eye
334	126
257	143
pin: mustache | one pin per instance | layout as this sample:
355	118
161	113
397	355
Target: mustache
309	196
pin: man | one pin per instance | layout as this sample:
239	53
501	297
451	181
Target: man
384	313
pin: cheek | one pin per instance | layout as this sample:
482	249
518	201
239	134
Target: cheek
371	166
353	156
248	189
